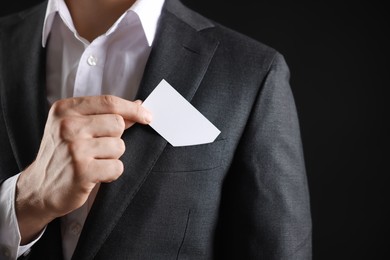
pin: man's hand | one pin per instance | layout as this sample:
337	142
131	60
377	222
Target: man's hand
81	147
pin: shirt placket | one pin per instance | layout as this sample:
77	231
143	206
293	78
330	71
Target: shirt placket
89	76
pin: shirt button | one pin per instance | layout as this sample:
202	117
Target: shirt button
92	60
75	228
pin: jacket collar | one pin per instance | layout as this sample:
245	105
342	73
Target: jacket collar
148	12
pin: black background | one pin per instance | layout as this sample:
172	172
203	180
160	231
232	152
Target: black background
339	62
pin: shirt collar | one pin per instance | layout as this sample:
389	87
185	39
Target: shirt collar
148	11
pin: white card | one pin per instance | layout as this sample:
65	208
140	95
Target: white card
175	119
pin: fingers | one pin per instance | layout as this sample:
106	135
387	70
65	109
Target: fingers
105	170
97	148
91	128
81	146
75	127
129	123
97	159
132	112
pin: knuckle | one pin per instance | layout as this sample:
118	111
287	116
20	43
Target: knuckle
63	106
59	107
121	146
109	102
75	149
117	169
68	128
138	110
120	122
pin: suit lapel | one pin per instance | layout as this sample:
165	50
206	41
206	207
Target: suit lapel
23	96
180	55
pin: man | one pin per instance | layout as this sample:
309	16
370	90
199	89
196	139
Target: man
83	175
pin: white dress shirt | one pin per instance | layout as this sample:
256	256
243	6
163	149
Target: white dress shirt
112	64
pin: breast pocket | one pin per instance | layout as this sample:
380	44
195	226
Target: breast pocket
191	158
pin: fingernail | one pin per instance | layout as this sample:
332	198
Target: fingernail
139	102
148	117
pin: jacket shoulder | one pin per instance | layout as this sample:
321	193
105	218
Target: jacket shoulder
234	45
243	45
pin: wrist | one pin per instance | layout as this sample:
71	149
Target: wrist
31	214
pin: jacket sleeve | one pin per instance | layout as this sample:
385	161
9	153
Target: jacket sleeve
265	211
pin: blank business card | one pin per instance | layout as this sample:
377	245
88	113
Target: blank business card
175	119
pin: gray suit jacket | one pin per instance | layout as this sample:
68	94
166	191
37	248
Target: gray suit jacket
245	196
